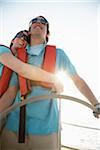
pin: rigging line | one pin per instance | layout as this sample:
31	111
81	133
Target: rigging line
69	148
71	124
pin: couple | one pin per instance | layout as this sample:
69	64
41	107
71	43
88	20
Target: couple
42	116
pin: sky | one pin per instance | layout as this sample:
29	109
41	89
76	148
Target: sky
75	28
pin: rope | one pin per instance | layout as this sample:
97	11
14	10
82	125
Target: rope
59	133
80	126
43	97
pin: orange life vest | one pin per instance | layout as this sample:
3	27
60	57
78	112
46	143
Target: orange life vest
5	78
48	65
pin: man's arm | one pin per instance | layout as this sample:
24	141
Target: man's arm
8	97
84	89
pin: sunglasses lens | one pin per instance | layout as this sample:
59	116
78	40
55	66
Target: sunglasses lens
34	20
18	36
25	38
43	21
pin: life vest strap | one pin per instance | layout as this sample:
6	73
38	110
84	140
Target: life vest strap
48	65
23	82
5	77
22	124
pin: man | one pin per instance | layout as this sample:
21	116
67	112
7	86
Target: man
42	126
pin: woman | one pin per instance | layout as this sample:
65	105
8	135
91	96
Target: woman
23	69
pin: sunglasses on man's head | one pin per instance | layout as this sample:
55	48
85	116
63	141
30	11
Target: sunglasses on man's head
20	35
41	20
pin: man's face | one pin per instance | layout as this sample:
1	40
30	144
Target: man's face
38	28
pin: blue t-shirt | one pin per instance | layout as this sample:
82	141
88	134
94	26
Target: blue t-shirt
41	116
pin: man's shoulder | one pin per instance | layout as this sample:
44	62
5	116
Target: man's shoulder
60	51
57	49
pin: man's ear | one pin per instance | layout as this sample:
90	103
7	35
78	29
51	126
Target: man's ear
48	35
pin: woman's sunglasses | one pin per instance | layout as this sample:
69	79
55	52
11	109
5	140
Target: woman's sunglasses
20	35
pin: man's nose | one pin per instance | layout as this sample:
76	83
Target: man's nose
38	23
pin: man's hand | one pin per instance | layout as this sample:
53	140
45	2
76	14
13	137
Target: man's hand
96	112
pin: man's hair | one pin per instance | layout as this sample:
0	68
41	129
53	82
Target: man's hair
47	39
16	36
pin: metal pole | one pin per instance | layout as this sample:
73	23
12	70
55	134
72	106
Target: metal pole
59	132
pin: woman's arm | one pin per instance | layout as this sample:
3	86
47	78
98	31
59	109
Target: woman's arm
24	69
29	71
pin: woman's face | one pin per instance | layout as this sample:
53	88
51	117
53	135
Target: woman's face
19	43
20	40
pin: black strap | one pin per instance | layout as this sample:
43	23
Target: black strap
22	124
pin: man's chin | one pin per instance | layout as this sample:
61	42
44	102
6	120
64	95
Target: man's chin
38	27
37	34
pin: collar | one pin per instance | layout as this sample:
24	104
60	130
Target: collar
35	50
